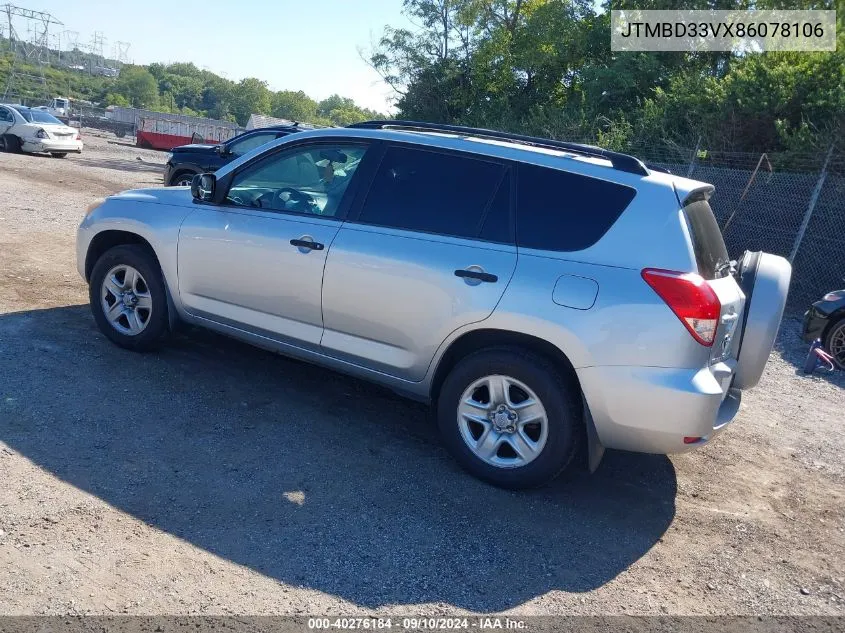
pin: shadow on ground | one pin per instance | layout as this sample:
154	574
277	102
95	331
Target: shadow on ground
307	476
120	164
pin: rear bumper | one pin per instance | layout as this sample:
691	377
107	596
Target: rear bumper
50	145
652	409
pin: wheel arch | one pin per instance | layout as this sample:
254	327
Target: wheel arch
104	240
483	338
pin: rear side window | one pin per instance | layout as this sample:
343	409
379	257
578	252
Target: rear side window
427	191
561	211
707	241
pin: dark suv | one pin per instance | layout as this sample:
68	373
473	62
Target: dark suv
184	162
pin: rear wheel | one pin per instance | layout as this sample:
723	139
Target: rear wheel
128	298
509	417
58	154
10	143
834	342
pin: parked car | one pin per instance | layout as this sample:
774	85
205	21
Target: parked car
825	321
543	296
34	130
186	161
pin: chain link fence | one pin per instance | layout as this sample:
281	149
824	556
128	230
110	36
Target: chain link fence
791	205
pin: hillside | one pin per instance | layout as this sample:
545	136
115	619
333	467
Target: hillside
178	87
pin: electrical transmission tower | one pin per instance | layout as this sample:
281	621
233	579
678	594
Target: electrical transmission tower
120	53
32	49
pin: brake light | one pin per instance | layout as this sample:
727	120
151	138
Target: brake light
79	136
691	298
41	134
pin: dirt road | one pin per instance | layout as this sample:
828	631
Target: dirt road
214	478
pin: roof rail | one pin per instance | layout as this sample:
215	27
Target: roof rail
622	162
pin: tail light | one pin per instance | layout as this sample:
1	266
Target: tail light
79	136
41	134
691	298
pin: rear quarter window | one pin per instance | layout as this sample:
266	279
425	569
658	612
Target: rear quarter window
708	245
562	211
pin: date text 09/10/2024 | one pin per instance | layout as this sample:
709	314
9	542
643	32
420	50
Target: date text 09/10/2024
417	624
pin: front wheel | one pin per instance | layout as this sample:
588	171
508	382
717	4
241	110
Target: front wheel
509	417
128	298
182	179
834	342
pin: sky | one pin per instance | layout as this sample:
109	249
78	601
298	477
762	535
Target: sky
310	46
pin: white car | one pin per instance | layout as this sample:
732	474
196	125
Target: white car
33	130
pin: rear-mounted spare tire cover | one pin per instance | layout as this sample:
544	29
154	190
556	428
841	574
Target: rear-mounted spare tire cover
764	278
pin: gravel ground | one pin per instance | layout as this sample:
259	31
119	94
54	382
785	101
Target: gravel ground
214	478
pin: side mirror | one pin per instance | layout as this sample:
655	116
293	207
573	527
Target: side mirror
222	149
203	187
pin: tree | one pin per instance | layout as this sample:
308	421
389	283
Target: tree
296	106
138	86
249	96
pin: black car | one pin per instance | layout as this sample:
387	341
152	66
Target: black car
186	161
825	320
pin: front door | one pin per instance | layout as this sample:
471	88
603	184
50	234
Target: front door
429	251
256	261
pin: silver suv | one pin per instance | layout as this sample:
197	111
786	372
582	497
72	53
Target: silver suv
545	297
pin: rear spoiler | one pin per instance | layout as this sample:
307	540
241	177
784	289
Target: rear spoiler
700	193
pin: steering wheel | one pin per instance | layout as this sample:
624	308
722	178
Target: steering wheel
301	201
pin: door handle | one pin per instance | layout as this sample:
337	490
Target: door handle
314	246
476	274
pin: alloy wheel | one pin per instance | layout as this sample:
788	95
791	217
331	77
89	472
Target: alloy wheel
502	421
126	300
837	345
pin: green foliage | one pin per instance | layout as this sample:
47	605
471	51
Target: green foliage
545	67
182	88
296	106
138	86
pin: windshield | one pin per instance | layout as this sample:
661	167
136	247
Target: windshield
39	116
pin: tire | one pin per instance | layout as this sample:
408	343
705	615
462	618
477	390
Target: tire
10	143
834	342
153	321
59	154
559	398
120	133
179	176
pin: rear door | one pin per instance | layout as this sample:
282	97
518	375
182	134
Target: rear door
429	250
6	120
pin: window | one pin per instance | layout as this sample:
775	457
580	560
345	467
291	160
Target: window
242	146
498	224
39	116
562	211
310	179
429	191
707	241
5	115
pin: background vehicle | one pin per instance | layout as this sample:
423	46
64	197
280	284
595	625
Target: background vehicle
504	279
33	130
186	161
59	107
825	320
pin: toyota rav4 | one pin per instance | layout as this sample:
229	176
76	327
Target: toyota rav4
543	296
